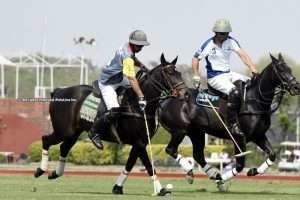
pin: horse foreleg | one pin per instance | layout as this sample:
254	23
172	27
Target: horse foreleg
65	148
47	141
118	187
265	145
198	141
172	150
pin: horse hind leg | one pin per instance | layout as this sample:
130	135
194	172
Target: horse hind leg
47	142
198	141
65	148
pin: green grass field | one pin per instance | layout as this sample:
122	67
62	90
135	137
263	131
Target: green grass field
13	187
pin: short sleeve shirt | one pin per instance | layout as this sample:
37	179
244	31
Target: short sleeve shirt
112	73
217	58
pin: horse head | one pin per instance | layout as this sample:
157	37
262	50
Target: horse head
164	78
284	77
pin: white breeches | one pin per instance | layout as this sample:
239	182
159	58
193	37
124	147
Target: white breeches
109	93
224	82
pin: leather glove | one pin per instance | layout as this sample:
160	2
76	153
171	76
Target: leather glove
142	103
196	81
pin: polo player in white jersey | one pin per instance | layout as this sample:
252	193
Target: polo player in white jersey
216	51
119	72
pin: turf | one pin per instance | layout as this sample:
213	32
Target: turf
22	187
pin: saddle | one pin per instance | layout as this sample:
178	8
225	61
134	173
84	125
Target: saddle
217	98
97	93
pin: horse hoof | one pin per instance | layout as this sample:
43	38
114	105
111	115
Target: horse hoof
38	172
222	186
252	172
117	189
190	177
53	175
219	177
164	192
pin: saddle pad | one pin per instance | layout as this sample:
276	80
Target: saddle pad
202	101
88	110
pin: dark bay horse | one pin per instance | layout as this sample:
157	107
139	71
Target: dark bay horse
182	118
130	127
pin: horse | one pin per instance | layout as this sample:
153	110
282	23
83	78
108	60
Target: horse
194	117
68	119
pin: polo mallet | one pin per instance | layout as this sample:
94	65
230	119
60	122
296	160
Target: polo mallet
150	149
229	133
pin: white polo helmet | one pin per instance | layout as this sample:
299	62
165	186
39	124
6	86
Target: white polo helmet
138	37
222	26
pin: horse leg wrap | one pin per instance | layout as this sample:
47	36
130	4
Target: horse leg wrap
61	166
229	174
210	171
263	167
45	159
122	178
156	183
184	163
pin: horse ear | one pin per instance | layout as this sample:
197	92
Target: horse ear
174	61
162	59
273	58
280	57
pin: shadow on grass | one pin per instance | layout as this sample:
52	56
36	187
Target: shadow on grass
266	193
106	193
204	190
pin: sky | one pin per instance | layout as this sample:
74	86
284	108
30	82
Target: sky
175	27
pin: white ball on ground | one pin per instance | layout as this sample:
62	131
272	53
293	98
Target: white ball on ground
169	186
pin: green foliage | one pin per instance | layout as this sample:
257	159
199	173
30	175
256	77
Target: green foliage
84	153
2	158
35	152
161	136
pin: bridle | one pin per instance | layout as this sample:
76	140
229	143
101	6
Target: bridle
167	91
280	90
285	85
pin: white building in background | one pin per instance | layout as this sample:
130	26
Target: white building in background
4	62
38	63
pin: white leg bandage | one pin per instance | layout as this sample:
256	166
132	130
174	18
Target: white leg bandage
44	161
229	174
61	166
184	163
122	178
263	167
156	183
210	171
